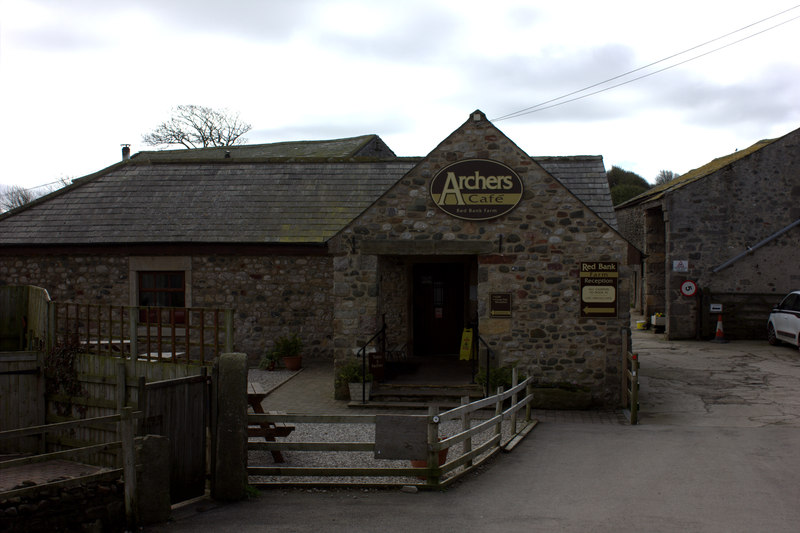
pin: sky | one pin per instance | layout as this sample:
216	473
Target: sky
79	78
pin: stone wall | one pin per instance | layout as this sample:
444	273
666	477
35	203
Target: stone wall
271	295
95	506
534	253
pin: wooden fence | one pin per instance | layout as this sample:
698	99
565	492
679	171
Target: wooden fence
108	384
175	334
406	437
630	379
122	441
21	397
23	317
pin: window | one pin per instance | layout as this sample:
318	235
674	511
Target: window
162	289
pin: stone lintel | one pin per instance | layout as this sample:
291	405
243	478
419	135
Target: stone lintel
425	247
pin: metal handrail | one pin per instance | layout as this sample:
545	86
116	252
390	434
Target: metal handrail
362	352
489	355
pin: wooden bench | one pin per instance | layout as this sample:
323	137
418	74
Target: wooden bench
268	430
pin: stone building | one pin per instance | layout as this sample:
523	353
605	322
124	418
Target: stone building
729	228
330	238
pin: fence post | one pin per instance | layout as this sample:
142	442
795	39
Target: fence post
514	383
51	326
624	381
122	382
466	424
128	465
229	479
228	330
634	389
433	441
133	330
528	394
498	411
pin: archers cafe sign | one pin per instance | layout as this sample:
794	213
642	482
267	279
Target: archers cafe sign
476	189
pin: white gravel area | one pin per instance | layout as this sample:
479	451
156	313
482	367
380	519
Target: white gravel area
270	379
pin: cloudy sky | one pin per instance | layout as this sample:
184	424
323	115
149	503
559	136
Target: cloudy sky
78	78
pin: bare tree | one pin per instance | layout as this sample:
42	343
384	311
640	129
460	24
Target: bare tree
198	127
15	196
665	176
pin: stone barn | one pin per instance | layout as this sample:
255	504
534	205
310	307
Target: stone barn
333	239
725	235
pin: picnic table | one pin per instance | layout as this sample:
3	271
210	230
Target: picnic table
268	430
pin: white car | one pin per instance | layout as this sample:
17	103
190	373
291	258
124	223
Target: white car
784	321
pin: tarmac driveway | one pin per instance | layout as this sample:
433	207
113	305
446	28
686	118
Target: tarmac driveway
700	383
715	451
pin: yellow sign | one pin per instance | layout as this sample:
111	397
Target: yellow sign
466	345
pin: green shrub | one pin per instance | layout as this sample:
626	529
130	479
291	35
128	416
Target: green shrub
498	377
351	372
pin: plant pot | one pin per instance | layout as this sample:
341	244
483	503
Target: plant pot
293	362
356	389
423	463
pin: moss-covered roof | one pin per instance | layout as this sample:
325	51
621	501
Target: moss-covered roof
365	147
693	175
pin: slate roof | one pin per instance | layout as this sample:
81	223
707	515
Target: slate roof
208	203
293	193
658	191
585	176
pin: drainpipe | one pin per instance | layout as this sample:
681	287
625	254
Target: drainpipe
751	249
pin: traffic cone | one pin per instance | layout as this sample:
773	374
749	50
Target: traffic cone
720	335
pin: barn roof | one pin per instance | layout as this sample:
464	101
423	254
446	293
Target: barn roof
709	168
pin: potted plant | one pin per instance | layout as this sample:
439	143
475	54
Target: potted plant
289	350
269	361
351	374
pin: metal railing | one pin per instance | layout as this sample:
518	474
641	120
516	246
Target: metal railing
362	353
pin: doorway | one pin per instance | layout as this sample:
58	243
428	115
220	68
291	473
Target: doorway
438	307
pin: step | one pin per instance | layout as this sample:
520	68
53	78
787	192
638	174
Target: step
404	396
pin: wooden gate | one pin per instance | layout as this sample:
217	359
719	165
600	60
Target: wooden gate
178	409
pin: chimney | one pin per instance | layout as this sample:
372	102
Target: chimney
126	152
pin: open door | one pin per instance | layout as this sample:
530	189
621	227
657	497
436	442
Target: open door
438	307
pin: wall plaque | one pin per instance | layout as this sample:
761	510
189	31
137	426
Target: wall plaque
500	305
476	189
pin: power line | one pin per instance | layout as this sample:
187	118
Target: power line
543	105
58	182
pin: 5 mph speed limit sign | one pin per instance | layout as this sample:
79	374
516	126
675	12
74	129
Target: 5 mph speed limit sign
688	288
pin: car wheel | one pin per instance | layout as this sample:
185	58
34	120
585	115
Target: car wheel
771	337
